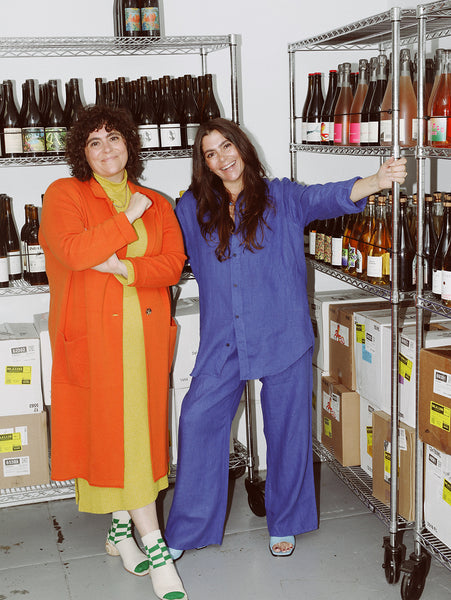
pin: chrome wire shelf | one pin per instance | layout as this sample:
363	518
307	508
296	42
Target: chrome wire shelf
436	548
375	290
433	305
438	19
109	46
360	35
24	161
360	483
31	494
349	150
22	288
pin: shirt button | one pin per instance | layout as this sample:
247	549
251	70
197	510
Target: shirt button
148	311
234	254
237	316
227	345
235	285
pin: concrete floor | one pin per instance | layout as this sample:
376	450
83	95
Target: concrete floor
50	551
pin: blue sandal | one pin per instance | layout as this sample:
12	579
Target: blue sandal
289	539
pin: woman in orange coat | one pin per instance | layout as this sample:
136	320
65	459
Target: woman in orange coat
112	250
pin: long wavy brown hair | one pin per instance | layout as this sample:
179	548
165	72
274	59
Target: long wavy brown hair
93	118
213	198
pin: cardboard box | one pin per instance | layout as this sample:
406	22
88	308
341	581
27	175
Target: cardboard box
319	313
187	344
437	494
41	323
341	340
366	434
24	456
382	464
436	337
20	370
373	355
341	418
435	398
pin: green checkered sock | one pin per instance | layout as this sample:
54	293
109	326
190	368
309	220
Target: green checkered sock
166	583
120	542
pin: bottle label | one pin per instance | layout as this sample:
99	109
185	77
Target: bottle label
148	134
344	256
23	249
338	132
313	133
4	272
191	130
438	129
324	132
55	139
312	243
150	18
304	132
415	129
374	266
354	133
13	140
327	249
14	263
352	257
386	131
336	251
36	259
446	285
132	19
331	131
364	132
437	281
170	135
373	132
33	139
359	262
319	246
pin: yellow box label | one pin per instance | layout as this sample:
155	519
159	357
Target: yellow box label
327	427
369	440
405	367
440	416
10	442
447	491
360	333
18	375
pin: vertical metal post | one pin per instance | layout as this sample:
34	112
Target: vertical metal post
293	165
249	433
395	12
203	58
234	78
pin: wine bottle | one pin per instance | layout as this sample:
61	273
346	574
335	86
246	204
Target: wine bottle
438	212
442	249
326	111
430	242
191	117
118	18
210	108
353	242
312	238
12	241
132	18
75	103
11	130
150	18
378	261
44	101
23	242
441	106
328	241
357	103
407	262
345	241
100	92
33	132
376	102
365	112
439	66
363	246
4	273
306	107
354	77
170	127
55	126
314	111
343	108
336	243
36	258
148	128
319	240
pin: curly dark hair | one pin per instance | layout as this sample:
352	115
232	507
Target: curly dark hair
92	118
213	215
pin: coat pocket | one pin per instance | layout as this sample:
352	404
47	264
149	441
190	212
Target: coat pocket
70	361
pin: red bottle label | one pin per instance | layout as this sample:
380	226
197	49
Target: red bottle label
338	132
354	134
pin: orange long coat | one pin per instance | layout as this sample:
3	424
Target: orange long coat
80	229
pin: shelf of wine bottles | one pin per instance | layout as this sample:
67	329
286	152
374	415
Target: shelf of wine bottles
111	46
358	482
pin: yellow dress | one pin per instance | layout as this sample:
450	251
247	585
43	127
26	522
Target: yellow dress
139	487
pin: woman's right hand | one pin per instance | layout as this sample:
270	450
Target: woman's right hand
138	204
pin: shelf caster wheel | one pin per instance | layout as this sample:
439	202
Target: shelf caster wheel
256	496
415	572
393	557
237	472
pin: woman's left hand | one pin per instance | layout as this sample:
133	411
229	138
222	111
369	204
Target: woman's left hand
391	171
112	265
